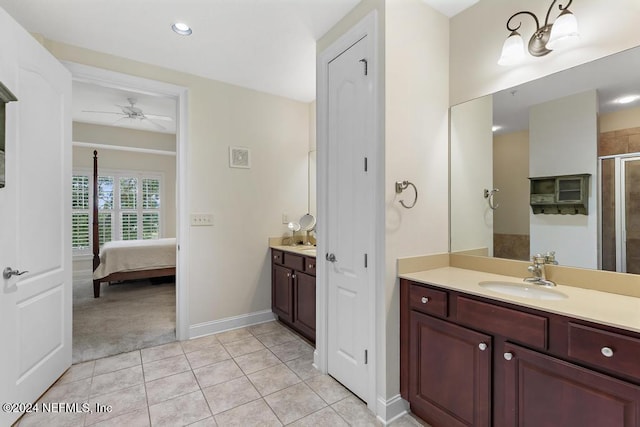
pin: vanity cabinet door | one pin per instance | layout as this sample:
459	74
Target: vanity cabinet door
304	311
543	391
450	366
282	292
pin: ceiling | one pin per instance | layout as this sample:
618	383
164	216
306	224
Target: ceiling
266	45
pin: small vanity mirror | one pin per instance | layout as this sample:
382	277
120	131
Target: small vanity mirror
5	96
581	121
307	223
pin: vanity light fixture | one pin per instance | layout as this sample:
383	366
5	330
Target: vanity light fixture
181	28
544	39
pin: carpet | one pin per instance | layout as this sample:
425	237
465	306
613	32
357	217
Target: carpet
128	316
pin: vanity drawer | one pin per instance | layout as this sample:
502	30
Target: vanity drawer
276	256
512	324
295	262
608	350
310	265
427	300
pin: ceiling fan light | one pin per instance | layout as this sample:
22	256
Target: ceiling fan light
564	31
181	28
512	50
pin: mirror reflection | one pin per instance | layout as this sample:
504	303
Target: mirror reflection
582	122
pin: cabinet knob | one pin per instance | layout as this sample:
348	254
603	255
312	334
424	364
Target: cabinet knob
275	257
508	356
425	300
293	276
482	346
288	274
606	352
311	266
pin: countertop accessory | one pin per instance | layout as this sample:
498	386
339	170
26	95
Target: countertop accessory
488	194
293	226
307	223
403	185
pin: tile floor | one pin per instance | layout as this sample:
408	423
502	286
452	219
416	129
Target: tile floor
259	375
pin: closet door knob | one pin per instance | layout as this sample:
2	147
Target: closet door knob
425	300
606	352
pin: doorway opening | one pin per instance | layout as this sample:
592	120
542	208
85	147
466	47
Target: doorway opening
138	128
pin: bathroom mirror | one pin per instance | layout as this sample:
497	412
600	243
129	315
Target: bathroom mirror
568	123
311	205
5	97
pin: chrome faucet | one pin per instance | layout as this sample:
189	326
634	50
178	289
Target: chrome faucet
538	271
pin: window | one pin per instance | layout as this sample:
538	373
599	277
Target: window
129	207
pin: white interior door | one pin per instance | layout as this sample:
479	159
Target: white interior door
349	216
35	207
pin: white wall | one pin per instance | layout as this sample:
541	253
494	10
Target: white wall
563	140
471	173
477	35
229	268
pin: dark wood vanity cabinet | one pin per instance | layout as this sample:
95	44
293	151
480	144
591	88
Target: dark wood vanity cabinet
293	291
470	361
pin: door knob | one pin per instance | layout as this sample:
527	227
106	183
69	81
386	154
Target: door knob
331	257
8	272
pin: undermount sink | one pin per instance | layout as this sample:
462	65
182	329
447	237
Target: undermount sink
523	290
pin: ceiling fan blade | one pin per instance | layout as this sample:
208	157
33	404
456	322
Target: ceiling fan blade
158	117
102	112
157	125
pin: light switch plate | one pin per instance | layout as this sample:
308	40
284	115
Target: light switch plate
201	220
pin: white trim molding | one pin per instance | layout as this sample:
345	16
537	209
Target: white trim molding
229	323
123	148
391	409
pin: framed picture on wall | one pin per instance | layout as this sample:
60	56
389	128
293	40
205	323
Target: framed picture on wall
239	157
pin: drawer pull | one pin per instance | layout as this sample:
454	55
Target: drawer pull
424	300
606	352
508	356
311	266
482	346
293	276
288	274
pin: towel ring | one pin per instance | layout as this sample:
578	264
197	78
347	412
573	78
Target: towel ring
488	194
403	185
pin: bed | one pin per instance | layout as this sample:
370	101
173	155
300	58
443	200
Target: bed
128	259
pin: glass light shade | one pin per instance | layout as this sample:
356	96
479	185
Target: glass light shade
512	50
563	31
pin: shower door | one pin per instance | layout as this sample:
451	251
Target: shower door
620	212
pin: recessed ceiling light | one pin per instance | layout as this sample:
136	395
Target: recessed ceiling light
495	128
181	28
627	99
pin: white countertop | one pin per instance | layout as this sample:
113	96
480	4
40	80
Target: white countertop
299	249
601	307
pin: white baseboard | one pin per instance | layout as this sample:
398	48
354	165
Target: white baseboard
229	323
391	409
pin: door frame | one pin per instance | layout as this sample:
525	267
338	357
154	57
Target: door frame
368	27
117	80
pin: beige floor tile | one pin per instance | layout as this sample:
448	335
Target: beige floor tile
324	417
409	421
225	396
139	418
106	383
276	338
328	389
117	362
303	367
77	372
207	356
51	419
207	422
180	411
124	401
294	402
355	412
234	335
77	391
292	350
256	413
161	352
169	387
265	328
217	373
165	367
273	379
199	343
244	346
253	362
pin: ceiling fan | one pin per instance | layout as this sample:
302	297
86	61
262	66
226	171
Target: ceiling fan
131	112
